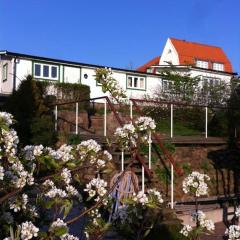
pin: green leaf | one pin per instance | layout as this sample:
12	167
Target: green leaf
67	208
60	231
49	203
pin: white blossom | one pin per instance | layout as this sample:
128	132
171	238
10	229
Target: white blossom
1	172
145	124
68	237
7	118
237	212
64	153
195	183
88	148
157	194
31	152
19	203
96	186
59	223
141	197
186	230
233	232
72	191
28	231
49	183
126	136
66	175
56	192
10	140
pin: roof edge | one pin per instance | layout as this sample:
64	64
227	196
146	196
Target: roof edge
68	62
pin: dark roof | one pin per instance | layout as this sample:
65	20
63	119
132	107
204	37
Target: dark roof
66	62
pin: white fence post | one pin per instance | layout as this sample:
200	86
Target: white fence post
206	122
150	150
131	110
105	118
76	130
172	186
171	120
172	172
56	117
122	161
143	179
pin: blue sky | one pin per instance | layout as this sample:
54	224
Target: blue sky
123	33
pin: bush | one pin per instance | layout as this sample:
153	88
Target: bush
32	107
28	106
167	227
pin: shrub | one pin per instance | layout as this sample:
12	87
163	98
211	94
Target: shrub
32	106
28	106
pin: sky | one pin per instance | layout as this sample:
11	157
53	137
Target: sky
123	33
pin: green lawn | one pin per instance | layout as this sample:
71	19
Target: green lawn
179	129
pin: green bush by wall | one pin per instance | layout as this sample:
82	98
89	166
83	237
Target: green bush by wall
32	108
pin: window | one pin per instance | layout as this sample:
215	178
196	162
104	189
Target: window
202	64
218	66
149	70
136	82
167	85
5	72
210	82
46	71
54	72
37	70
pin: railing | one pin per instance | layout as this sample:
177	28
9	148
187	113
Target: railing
135	152
205	113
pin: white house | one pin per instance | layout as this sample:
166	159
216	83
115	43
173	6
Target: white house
14	67
209	62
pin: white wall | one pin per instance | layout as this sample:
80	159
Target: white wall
169	54
91	82
72	74
77	74
23	68
6	86
218	75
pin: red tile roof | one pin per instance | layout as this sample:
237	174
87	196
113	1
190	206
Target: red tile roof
188	52
154	61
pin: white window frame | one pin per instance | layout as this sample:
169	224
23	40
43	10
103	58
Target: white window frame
202	64
167	85
218	66
5	72
138	87
50	71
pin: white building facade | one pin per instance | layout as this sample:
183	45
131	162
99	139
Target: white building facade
207	62
14	68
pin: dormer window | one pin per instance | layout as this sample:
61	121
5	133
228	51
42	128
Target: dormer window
201	64
218	66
